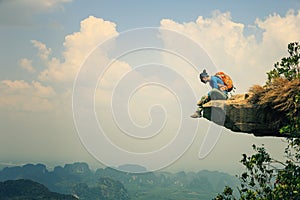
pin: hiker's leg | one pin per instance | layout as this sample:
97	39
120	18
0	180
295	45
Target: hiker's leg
198	113
216	94
203	101
200	104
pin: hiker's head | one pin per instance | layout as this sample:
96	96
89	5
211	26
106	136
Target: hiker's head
204	76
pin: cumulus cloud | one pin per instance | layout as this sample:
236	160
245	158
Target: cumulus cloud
43	51
20	12
243	56
77	46
20	95
237	53
27	65
35	96
280	30
224	40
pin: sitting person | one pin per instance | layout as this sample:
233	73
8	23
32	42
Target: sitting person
218	92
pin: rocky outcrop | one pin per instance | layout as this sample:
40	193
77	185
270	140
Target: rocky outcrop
239	116
262	111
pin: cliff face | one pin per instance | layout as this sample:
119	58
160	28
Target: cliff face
262	111
240	116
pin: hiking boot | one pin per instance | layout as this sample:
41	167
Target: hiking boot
197	114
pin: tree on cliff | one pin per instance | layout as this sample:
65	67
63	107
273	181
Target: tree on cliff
266	178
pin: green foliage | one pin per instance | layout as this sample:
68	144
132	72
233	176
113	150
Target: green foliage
289	66
226	195
293	127
289	69
266	178
257	180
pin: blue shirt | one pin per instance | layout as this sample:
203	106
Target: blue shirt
215	81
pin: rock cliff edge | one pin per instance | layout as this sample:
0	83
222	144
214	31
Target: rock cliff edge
262	111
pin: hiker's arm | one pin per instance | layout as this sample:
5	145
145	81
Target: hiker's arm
214	82
222	87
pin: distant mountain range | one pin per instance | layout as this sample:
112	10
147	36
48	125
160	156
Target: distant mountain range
109	184
29	190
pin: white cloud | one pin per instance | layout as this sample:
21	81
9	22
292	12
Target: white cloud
38	6
43	51
20	95
27	65
20	12
46	4
280	30
77	46
244	57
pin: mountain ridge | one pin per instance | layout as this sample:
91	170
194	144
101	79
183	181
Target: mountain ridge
109	184
27	189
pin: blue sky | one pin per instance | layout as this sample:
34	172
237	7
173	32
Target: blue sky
44	43
50	26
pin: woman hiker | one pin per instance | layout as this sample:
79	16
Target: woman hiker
219	91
